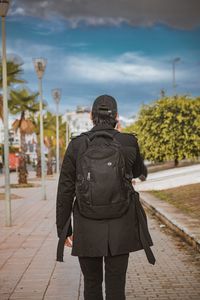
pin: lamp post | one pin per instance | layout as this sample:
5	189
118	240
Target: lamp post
56	94
4	6
40	66
174	61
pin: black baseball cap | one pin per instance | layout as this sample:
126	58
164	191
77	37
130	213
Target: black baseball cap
105	105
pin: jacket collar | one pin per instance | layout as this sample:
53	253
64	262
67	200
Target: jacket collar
102	127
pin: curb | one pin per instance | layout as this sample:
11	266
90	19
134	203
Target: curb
183	232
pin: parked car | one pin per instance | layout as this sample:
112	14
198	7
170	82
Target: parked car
13	161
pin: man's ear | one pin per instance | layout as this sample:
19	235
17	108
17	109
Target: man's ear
90	115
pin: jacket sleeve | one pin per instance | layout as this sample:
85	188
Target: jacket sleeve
139	168
65	191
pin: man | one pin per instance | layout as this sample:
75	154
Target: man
104	235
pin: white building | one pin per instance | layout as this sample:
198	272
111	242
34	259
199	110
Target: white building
79	121
14	137
14	140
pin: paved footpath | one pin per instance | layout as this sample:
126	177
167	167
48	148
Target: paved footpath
171	178
29	271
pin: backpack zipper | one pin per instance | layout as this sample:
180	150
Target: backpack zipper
88	176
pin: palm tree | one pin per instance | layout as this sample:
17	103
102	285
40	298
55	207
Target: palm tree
50	144
36	122
50	137
14	71
49	123
20	102
62	138
1	107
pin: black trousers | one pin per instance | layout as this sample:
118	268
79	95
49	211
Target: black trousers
115	276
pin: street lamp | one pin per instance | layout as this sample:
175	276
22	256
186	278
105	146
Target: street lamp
4	6
56	94
174	61
40	66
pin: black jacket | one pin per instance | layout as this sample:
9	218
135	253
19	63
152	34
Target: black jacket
93	237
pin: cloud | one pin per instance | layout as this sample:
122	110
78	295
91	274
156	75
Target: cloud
126	69
18	11
131	77
179	14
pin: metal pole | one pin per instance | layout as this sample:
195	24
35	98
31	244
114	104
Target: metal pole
42	142
57	139
174	61
5	117
174	79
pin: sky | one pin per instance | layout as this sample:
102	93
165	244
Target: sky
123	48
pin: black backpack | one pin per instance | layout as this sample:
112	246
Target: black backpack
102	189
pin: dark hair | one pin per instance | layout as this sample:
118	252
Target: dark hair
102	119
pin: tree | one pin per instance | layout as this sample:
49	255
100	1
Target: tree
169	129
14	71
46	123
50	138
36	122
49	125
20	102
1	107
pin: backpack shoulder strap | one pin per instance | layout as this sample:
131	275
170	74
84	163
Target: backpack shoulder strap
85	145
